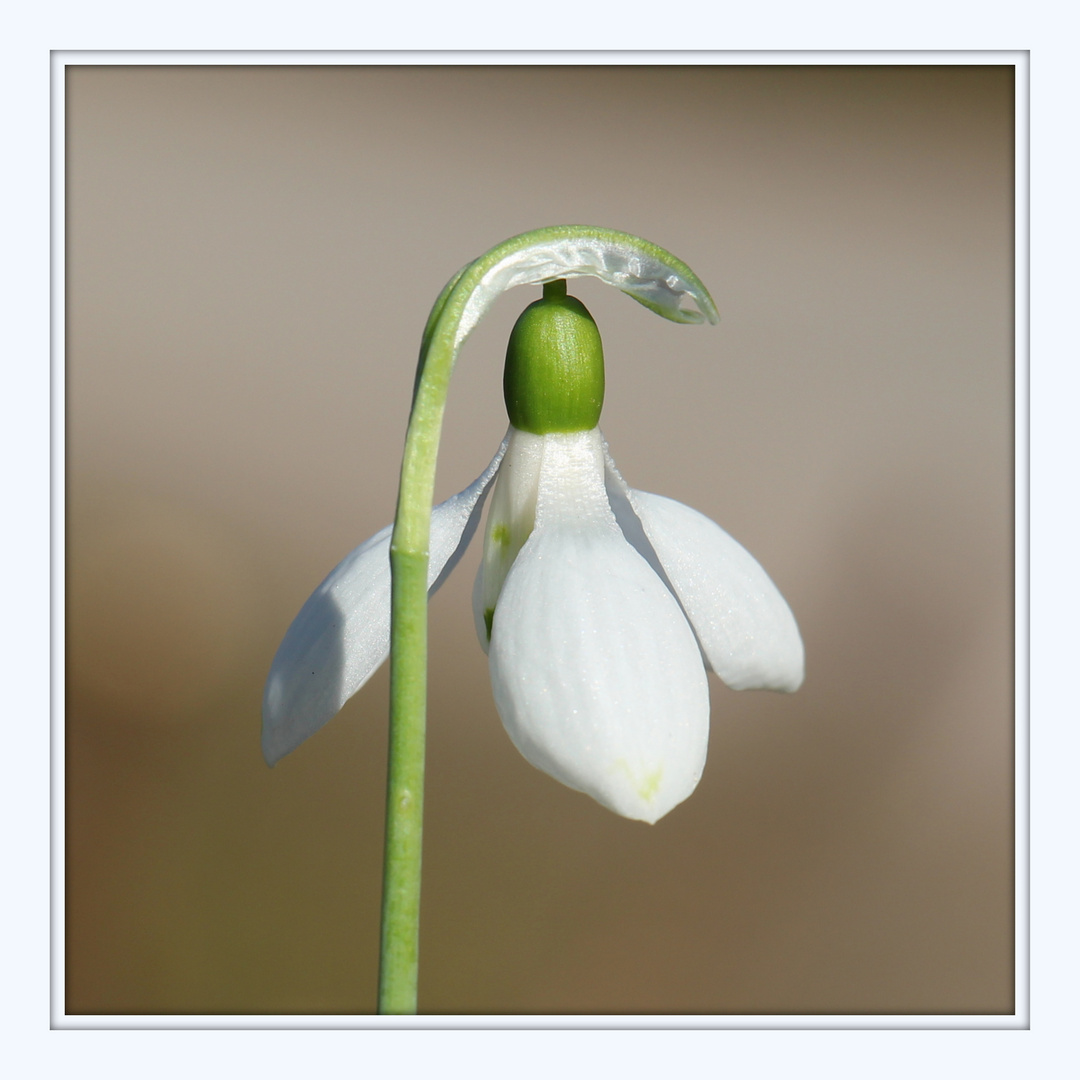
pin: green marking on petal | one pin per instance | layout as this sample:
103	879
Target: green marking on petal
650	786
489	618
647	787
501	535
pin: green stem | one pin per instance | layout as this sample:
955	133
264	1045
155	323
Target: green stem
405	791
456	311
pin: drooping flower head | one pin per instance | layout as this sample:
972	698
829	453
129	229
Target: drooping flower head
601	607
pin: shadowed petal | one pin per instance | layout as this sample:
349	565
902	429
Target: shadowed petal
342	633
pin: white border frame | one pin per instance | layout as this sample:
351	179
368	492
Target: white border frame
1019	1020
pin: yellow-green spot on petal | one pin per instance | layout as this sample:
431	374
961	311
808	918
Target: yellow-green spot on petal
500	535
649	787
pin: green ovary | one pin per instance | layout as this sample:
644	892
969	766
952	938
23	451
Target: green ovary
554	375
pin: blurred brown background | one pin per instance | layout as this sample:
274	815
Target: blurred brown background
252	253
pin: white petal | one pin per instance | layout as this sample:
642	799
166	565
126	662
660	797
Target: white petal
597	675
342	634
510	521
745	627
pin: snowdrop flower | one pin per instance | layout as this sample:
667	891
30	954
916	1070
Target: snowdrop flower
601	607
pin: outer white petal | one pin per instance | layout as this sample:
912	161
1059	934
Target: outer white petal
342	634
745	627
596	673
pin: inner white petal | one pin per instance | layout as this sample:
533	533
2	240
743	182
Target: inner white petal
510	521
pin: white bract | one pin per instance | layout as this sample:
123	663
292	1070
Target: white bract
605	606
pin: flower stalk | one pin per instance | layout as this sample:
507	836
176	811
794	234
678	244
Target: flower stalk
650	275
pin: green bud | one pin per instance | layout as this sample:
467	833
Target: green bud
554	374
